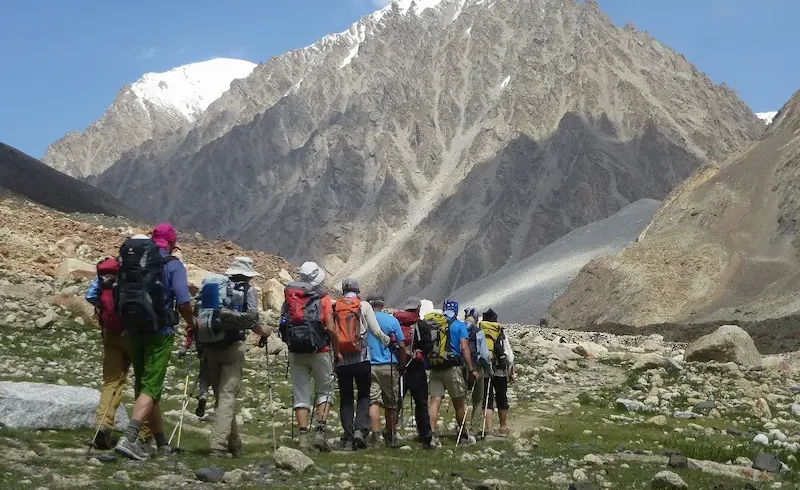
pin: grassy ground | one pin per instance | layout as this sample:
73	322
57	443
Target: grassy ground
551	444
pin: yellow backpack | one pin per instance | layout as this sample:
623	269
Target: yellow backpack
440	356
492	330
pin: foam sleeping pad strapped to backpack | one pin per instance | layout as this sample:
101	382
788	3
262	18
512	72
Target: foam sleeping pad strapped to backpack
303	331
107	315
440	355
141	291
347	314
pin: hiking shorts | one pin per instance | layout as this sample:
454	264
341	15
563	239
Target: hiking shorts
449	380
150	357
384	385
304	367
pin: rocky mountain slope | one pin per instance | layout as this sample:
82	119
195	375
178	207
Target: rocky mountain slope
723	247
435	142
154	106
522	292
24	176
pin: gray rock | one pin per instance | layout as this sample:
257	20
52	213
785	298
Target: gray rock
672	366
684	415
729	343
667	480
292	459
582	485
704	407
796	410
761	439
678	461
27	405
121	475
630	405
767	462
209	475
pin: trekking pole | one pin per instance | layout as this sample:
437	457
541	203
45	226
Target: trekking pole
99	423
185	400
466	409
402	401
486	407
271	405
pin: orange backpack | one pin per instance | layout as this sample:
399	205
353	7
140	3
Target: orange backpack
348	325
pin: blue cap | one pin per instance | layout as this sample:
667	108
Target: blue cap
450	308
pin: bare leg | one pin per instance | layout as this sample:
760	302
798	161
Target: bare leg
375	418
391	419
302	417
503	414
433	411
489	415
461	412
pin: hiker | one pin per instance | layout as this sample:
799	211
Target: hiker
415	378
385	372
482	360
235	301
503	372
152	290
354	318
447	375
308	328
116	352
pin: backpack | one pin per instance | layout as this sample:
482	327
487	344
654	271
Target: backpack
472	340
347	314
303	329
411	332
495	335
140	294
214	294
107	316
440	356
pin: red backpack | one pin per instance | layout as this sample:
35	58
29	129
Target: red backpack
106	311
407	320
303	330
348	325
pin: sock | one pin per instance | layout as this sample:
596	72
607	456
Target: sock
132	431
161	439
303	430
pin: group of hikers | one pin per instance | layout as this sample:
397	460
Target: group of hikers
376	358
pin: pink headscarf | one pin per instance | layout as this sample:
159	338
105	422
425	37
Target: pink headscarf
164	234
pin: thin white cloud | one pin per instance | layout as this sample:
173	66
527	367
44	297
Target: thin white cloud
380	3
146	54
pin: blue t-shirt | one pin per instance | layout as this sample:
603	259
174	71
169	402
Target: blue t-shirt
458	331
378	354
176	286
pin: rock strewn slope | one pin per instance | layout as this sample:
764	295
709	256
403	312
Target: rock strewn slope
723	247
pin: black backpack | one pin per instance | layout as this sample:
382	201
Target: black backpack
500	356
141	287
423	340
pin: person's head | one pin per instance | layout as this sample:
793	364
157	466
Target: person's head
377	302
450	309
165	237
413	305
471	312
241	269
312	273
350	285
489	315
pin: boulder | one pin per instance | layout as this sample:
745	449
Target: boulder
627	405
273	295
728	343
292	459
27	405
76	268
284	277
590	350
767	462
209	475
667	480
648	361
195	275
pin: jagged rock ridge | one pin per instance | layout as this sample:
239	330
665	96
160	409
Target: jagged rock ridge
428	147
724	247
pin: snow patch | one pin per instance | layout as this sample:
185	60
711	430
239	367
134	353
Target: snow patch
188	90
767	117
505	82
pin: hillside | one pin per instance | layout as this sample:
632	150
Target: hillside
24	176
435	143
723	247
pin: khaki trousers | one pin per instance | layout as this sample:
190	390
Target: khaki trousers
224	367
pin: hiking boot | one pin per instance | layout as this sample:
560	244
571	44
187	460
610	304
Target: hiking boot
343	445
359	442
390	439
467	440
435	442
427	442
132	450
103	440
374	441
166	450
320	442
302	441
201	406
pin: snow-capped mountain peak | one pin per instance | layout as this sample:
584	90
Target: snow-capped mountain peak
188	90
767	117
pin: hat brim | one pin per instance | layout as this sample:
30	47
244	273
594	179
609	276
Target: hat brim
241	272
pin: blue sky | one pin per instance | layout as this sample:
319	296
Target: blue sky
64	61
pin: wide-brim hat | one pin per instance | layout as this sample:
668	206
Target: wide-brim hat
242	266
